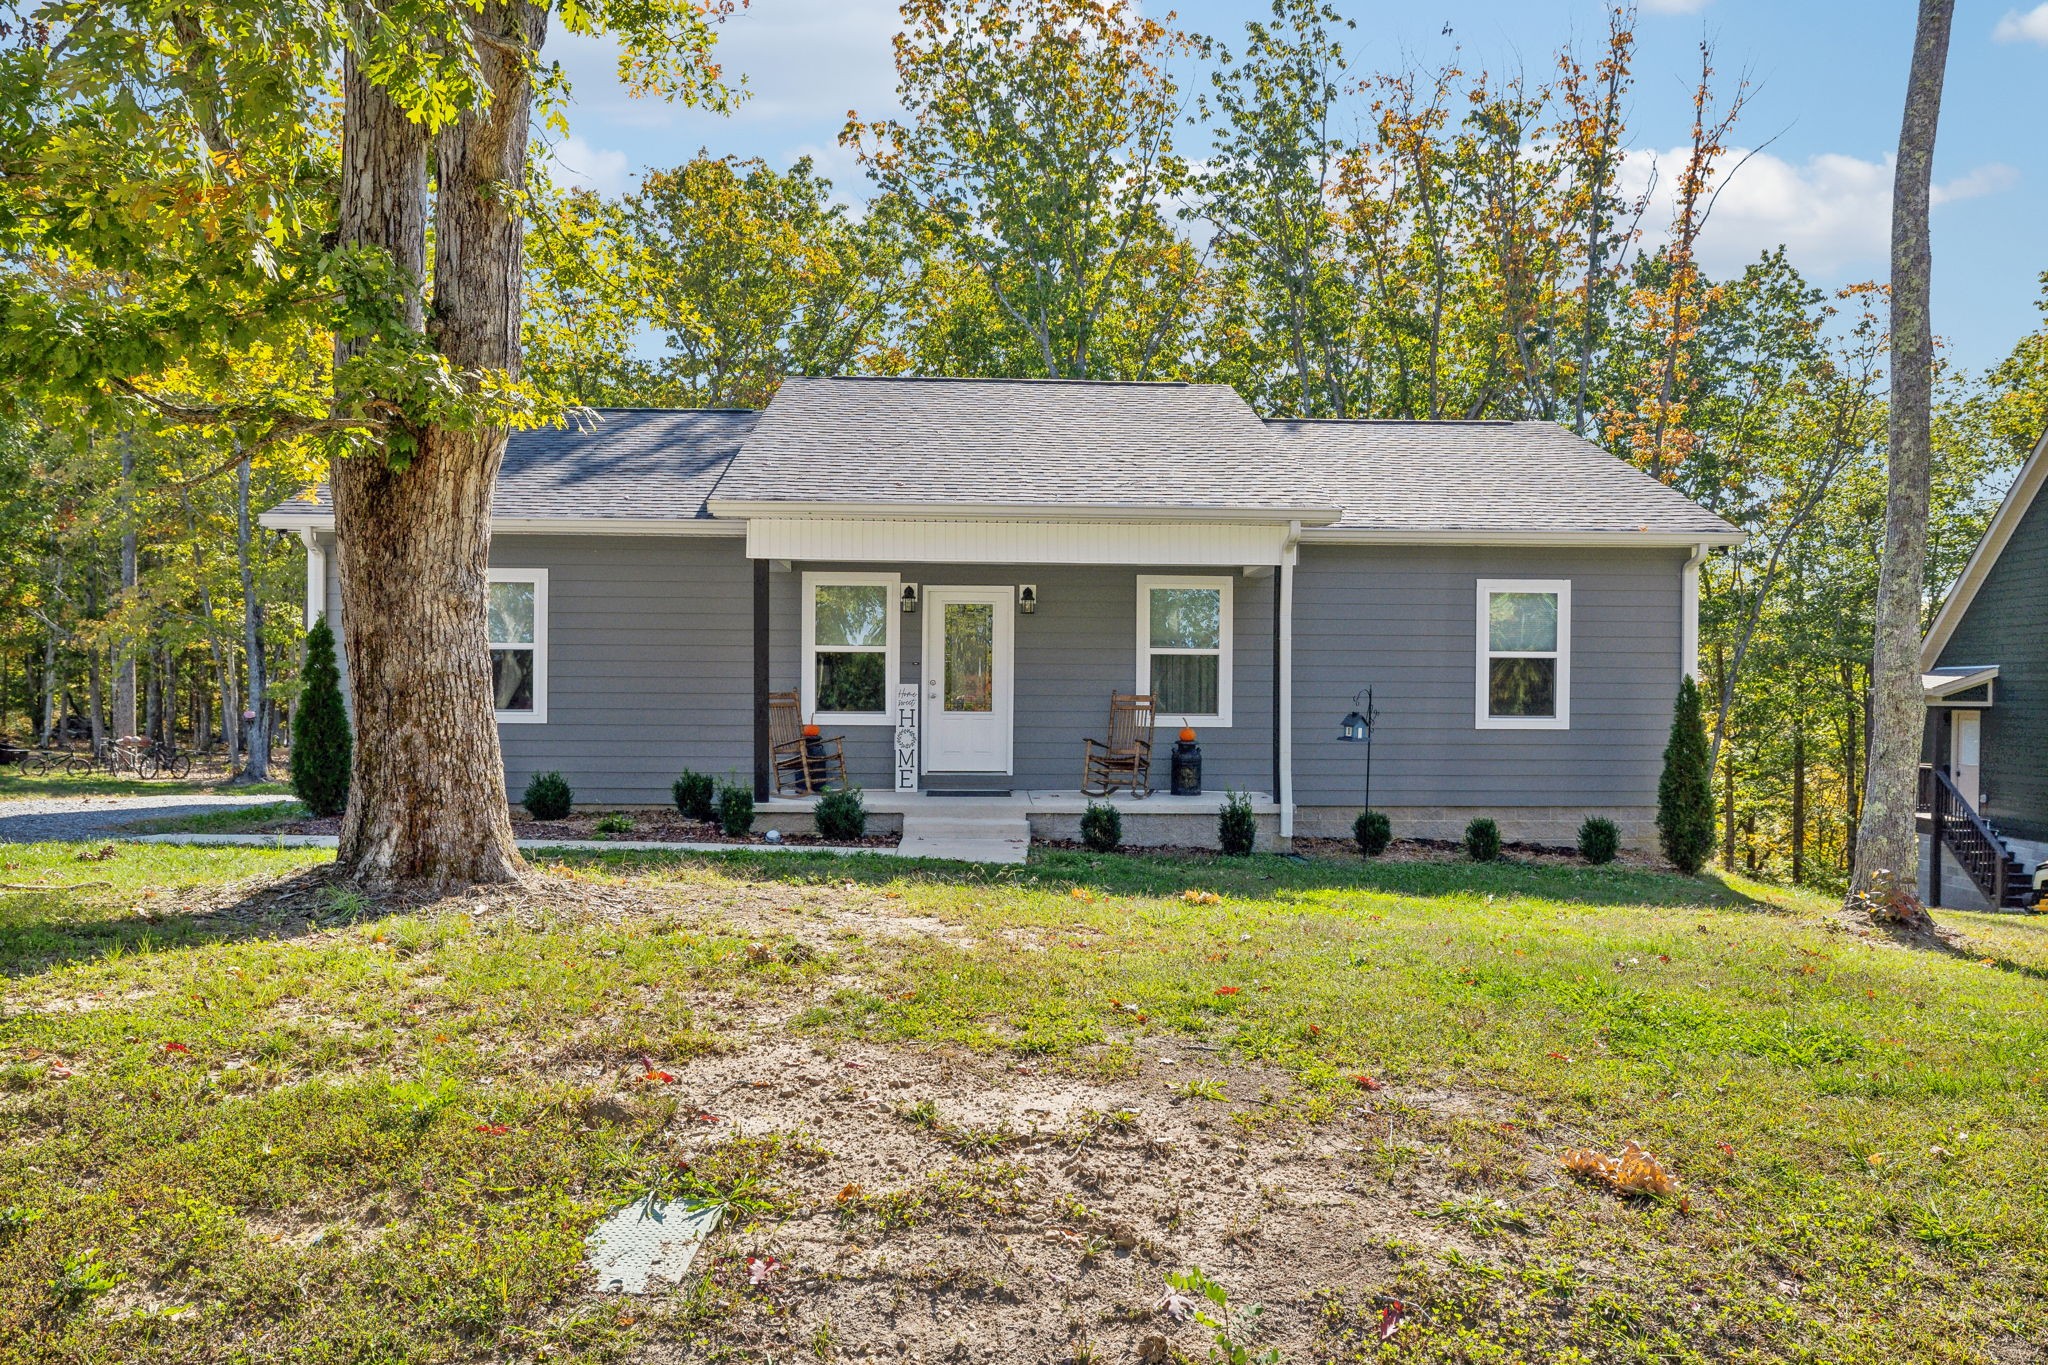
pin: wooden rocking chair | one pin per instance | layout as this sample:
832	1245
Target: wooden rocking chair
1125	759
802	767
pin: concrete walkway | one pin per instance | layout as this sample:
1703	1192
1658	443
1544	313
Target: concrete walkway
976	838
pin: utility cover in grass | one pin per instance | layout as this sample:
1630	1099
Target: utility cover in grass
649	1239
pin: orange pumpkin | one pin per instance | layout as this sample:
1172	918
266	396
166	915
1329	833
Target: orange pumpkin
812	732
1187	734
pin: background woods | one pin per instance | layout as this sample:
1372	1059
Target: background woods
1085	191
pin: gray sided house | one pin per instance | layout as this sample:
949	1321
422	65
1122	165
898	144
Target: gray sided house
956	575
1984	669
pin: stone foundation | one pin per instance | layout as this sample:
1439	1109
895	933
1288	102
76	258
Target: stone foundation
1557	826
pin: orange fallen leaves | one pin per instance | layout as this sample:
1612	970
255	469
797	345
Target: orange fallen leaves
1635	1171
1194	897
1368	1083
1228	990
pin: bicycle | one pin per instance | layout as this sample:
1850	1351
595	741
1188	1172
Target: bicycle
169	761
122	757
36	763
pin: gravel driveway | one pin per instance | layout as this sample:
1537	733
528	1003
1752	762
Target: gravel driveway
100	817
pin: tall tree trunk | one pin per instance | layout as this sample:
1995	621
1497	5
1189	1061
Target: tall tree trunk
52	713
1888	845
1798	805
124	652
256	755
427	796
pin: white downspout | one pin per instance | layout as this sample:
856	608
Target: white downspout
1689	645
1289	553
316	577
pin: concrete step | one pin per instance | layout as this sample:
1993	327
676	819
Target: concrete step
978	838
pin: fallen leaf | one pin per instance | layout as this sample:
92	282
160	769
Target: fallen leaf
851	1192
1390	1319
1368	1083
1175	1305
760	1268
176	1047
492	1129
1227	990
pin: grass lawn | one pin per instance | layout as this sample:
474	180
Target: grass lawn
978	1114
57	786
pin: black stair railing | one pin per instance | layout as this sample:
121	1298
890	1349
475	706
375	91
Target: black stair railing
1974	843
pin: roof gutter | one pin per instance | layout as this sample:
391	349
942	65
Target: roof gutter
545	526
1613	540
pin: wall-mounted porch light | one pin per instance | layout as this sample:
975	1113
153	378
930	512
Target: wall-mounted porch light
1027	598
908	597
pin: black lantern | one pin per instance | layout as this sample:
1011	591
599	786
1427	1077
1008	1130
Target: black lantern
1356	728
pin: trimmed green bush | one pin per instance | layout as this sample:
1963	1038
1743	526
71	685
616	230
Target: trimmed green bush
1237	829
1102	828
1685	793
320	741
322	748
548	797
1599	840
1373	831
1482	840
696	796
735	809
841	814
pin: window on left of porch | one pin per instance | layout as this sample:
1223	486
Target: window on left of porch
516	624
849	646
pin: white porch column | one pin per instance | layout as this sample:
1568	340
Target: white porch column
316	577
1689	642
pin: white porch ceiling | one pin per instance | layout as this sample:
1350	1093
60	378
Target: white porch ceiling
875	540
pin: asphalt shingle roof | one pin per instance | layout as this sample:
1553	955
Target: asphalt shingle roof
1483	477
1060	444
627	464
1010	443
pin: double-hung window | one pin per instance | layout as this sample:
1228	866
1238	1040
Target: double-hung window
1525	654
516	621
1184	637
850	635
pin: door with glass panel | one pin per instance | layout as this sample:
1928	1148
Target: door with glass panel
967	679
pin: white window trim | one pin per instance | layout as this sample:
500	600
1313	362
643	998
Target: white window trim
1226	589
891	648
1562	588
539	578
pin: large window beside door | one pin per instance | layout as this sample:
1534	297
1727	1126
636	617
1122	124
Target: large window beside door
849	633
1184	638
516	624
1525	654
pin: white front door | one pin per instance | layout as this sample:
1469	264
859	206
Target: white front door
1965	732
967	683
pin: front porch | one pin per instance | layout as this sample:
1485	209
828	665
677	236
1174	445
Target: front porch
947	822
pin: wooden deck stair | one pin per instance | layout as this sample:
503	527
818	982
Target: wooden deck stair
1982	853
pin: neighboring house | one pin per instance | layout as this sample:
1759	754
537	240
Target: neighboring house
1984	667
1011	553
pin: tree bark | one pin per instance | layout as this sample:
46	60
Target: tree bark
1887	844
427	800
256	753
124	656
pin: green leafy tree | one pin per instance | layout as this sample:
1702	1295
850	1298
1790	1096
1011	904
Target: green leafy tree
322	750
1685	794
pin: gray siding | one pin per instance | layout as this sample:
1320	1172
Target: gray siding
1078	647
650	662
1403	619
2007	625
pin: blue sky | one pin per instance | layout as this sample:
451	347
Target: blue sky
1828	79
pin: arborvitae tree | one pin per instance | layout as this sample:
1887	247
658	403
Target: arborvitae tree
321	747
1685	794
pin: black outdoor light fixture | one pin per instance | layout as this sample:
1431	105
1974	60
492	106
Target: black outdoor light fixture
1356	728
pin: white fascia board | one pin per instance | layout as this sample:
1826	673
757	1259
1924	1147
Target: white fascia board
960	511
1613	540
2018	499
1948	684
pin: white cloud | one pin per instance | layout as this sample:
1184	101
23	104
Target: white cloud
2031	27
1832	212
578	163
1675	6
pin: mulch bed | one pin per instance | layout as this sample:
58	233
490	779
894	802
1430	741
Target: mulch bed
650	828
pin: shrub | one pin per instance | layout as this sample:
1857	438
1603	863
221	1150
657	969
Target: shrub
1482	840
1373	831
696	796
1685	793
1599	840
842	814
735	809
1102	829
321	746
1237	829
548	797
615	823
